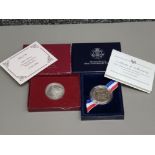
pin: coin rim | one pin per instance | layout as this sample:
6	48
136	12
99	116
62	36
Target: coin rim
50	85
98	102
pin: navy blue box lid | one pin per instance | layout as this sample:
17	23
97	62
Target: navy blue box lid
112	110
92	57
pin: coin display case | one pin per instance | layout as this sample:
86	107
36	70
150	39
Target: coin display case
66	84
60	73
112	110
91	60
40	100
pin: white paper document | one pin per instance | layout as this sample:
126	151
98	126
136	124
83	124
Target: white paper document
130	71
28	62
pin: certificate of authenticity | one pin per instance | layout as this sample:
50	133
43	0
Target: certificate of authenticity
131	71
28	62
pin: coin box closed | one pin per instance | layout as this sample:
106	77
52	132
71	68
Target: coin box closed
112	110
91	57
39	100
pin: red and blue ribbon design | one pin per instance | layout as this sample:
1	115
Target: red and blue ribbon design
111	86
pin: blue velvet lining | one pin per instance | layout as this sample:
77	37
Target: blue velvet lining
114	109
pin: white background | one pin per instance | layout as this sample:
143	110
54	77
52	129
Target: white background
88	145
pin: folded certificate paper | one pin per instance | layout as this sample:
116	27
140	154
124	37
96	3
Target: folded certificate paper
28	62
131	71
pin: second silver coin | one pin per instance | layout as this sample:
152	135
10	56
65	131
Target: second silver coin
55	91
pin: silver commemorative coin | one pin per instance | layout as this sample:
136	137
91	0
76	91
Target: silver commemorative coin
55	91
101	94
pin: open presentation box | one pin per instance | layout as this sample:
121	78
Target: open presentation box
80	66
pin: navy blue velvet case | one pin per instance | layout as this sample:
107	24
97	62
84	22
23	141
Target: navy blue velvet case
112	110
92	57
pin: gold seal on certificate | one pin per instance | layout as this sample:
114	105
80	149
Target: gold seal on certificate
101	94
55	91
